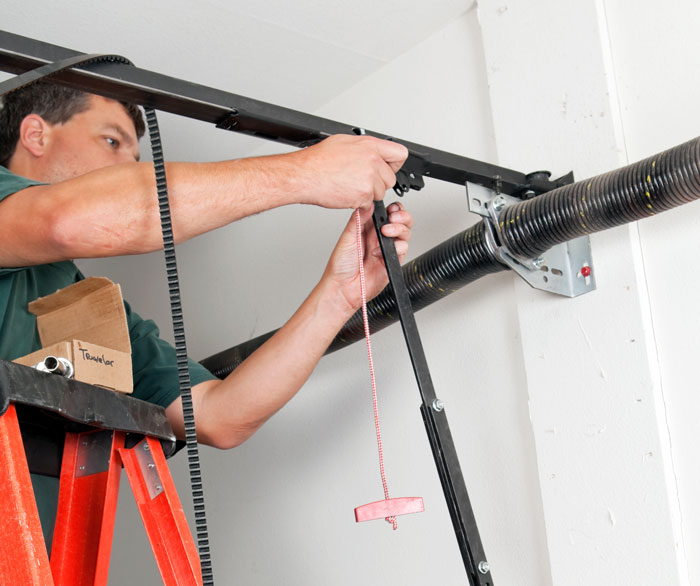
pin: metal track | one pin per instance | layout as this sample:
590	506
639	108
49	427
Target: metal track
248	116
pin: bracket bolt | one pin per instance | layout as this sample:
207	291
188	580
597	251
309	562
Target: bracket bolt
498	204
146	447
538	263
438	405
484	567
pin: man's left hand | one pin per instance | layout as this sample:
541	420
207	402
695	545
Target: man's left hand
343	268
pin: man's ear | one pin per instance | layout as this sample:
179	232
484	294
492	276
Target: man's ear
33	134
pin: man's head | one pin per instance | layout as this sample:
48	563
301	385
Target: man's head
37	121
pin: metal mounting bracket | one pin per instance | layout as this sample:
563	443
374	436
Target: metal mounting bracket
148	469
565	269
94	452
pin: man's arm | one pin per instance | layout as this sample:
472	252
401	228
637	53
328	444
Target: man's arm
113	211
228	412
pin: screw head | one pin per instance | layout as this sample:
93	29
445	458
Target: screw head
498	204
484	567
438	405
538	263
146	447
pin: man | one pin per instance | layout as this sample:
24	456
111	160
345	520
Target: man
73	187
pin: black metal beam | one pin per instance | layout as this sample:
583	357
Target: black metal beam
435	419
248	116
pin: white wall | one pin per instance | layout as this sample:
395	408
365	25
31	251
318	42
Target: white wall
656	54
604	83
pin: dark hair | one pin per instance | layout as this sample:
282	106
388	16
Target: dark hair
54	103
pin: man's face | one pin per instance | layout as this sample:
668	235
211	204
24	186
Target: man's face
101	136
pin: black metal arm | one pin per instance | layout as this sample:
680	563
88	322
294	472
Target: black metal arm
435	419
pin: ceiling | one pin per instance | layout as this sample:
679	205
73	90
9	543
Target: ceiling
298	53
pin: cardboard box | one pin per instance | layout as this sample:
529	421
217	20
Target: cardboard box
86	324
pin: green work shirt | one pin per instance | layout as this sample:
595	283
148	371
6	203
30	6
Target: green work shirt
153	360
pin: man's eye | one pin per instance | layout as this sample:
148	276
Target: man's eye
113	142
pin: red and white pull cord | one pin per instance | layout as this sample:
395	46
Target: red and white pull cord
388	508
365	320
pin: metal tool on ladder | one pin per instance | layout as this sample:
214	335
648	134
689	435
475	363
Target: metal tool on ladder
102	431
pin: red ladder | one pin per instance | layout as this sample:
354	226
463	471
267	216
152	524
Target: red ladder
87	503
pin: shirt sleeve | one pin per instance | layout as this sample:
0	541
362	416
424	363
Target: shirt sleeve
154	363
9	184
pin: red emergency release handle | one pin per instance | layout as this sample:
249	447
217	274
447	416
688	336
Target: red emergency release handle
389	508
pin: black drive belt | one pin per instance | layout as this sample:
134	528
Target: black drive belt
43	72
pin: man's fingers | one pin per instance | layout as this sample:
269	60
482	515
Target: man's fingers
393	153
401	249
388	177
396	231
400	222
380	187
401	217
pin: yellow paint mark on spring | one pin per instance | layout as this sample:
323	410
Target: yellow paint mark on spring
648	178
430	285
653	164
441	289
421	277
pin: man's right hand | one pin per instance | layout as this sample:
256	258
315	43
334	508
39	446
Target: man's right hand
345	171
